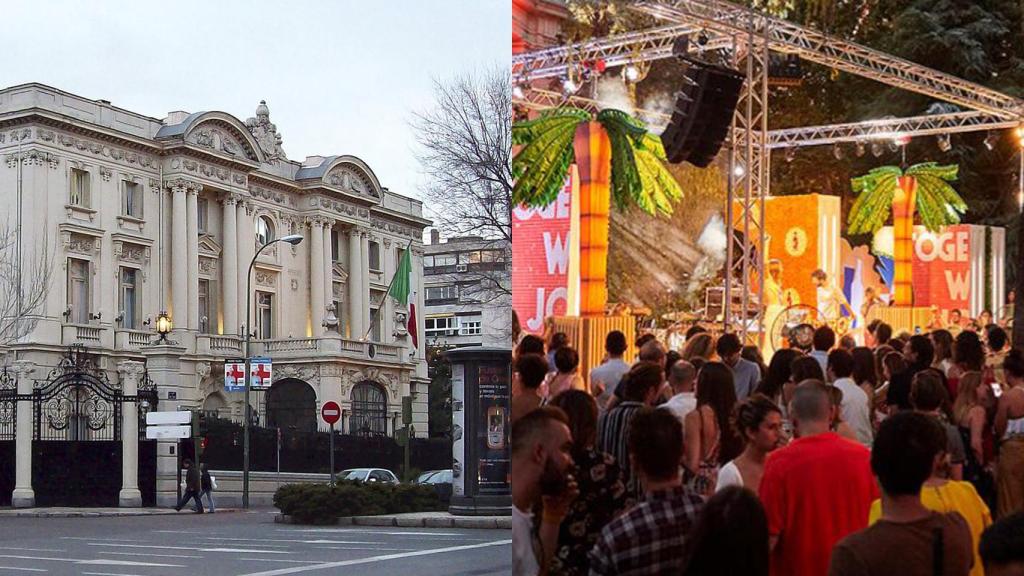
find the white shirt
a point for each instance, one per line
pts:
(524, 561)
(855, 409)
(728, 475)
(608, 375)
(681, 404)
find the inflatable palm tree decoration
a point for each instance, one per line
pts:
(923, 188)
(618, 159)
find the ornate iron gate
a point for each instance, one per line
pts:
(8, 405)
(76, 427)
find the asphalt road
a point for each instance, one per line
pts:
(242, 544)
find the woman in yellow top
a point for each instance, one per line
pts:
(945, 496)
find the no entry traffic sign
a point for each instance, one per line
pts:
(331, 412)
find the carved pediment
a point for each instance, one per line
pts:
(340, 274)
(223, 138)
(209, 247)
(350, 179)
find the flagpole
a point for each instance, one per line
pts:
(388, 292)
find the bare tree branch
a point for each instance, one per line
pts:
(24, 285)
(465, 151)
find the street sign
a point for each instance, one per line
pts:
(158, 418)
(260, 372)
(331, 412)
(234, 375)
(168, 432)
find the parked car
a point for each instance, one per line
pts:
(369, 475)
(441, 480)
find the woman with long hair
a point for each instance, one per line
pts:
(866, 377)
(806, 368)
(709, 439)
(701, 346)
(942, 342)
(759, 422)
(602, 495)
(779, 375)
(730, 538)
(1009, 429)
(972, 412)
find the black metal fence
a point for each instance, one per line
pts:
(307, 451)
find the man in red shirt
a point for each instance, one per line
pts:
(815, 491)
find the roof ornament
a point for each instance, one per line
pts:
(265, 133)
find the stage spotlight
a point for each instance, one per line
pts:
(944, 144)
(901, 140)
(837, 151)
(739, 171)
(569, 86)
(893, 146)
(1020, 135)
(790, 154)
(876, 149)
(860, 149)
(631, 74)
(517, 92)
(990, 140)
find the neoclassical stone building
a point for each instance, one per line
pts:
(140, 215)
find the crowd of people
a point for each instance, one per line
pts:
(904, 455)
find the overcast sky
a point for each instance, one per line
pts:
(339, 76)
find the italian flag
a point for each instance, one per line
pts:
(400, 286)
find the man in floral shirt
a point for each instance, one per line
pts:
(649, 538)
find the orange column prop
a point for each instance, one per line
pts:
(593, 158)
(903, 205)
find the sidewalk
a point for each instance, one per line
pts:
(420, 520)
(95, 512)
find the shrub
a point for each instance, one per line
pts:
(324, 503)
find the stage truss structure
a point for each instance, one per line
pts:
(751, 36)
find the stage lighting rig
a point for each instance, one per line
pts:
(944, 143)
(990, 140)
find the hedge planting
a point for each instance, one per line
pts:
(325, 503)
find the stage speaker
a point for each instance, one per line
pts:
(703, 113)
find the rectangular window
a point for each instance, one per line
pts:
(203, 215)
(131, 199)
(334, 245)
(204, 306)
(374, 256)
(339, 314)
(450, 292)
(129, 299)
(264, 315)
(399, 253)
(442, 326)
(79, 195)
(78, 291)
(469, 325)
(375, 331)
(470, 257)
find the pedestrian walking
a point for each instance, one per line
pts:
(207, 484)
(193, 486)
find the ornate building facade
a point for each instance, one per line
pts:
(137, 215)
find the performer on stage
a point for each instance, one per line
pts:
(831, 299)
(871, 299)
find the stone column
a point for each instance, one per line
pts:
(355, 284)
(364, 249)
(246, 249)
(23, 496)
(179, 256)
(164, 365)
(229, 266)
(329, 270)
(316, 274)
(387, 310)
(130, 496)
(192, 233)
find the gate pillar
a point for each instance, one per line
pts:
(23, 496)
(130, 372)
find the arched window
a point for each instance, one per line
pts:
(291, 404)
(264, 230)
(369, 410)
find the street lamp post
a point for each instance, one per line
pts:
(292, 239)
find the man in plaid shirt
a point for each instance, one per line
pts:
(649, 538)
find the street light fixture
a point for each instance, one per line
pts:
(292, 239)
(163, 326)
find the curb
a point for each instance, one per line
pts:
(105, 514)
(468, 522)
